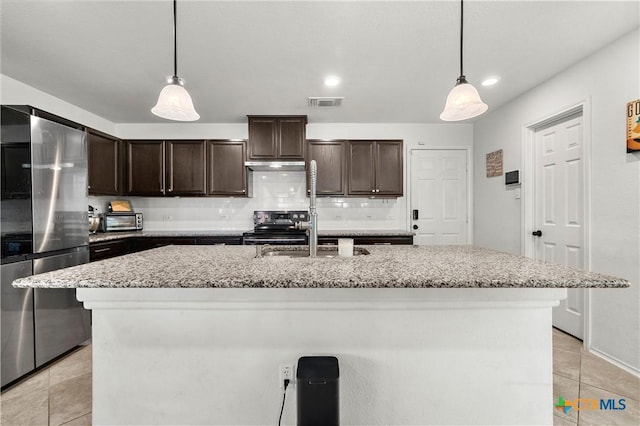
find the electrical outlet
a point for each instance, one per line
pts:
(286, 372)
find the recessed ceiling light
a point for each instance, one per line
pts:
(490, 81)
(332, 80)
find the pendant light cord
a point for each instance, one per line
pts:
(175, 42)
(461, 29)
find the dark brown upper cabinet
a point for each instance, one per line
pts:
(185, 167)
(277, 137)
(375, 168)
(331, 164)
(105, 176)
(144, 165)
(171, 168)
(227, 175)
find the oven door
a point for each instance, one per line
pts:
(293, 240)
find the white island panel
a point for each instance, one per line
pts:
(407, 356)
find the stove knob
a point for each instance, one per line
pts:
(295, 216)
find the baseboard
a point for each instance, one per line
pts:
(615, 361)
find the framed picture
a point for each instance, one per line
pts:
(633, 126)
(494, 163)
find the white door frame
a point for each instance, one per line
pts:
(469, 151)
(528, 192)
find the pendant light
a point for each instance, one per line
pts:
(174, 102)
(463, 101)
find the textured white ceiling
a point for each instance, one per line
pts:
(397, 59)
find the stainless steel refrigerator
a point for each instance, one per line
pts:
(44, 227)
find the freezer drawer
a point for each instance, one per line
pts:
(17, 323)
(61, 322)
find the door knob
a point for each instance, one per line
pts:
(415, 226)
(537, 233)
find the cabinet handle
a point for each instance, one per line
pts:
(102, 250)
(373, 190)
(381, 244)
(244, 190)
(88, 186)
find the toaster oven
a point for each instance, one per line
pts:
(121, 222)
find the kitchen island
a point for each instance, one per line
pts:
(424, 335)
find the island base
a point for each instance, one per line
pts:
(406, 356)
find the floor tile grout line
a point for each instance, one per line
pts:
(579, 383)
(610, 391)
(82, 415)
(48, 396)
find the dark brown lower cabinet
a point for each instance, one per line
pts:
(107, 249)
(104, 250)
(147, 243)
(214, 241)
(369, 240)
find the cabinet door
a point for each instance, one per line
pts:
(389, 168)
(360, 164)
(226, 170)
(99, 251)
(185, 167)
(145, 167)
(104, 164)
(262, 138)
(222, 240)
(331, 163)
(291, 137)
(148, 243)
(383, 240)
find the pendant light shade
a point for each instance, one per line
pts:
(464, 100)
(463, 103)
(174, 102)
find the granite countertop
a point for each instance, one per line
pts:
(385, 267)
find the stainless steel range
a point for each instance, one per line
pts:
(277, 227)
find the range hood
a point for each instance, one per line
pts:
(276, 166)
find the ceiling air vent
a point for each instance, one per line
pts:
(315, 101)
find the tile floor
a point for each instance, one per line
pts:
(61, 393)
(57, 395)
(578, 374)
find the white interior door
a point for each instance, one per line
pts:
(559, 210)
(439, 196)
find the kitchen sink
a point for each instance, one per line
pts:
(303, 251)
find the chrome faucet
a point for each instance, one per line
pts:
(312, 226)
(313, 214)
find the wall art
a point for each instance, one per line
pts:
(494, 163)
(633, 126)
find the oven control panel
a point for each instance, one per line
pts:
(279, 217)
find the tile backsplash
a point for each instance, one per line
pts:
(271, 191)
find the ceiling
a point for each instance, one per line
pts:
(397, 59)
